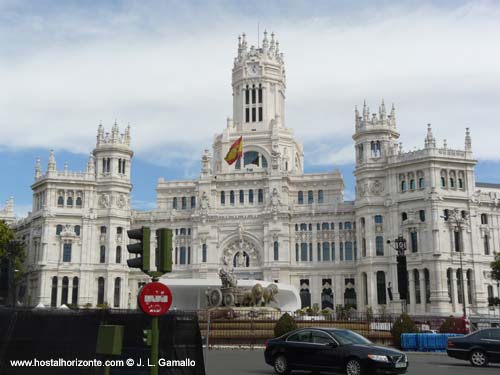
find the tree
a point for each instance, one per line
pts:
(12, 257)
(284, 325)
(495, 268)
(404, 324)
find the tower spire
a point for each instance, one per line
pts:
(430, 141)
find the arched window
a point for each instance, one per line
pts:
(459, 285)
(174, 203)
(183, 255)
(260, 197)
(460, 183)
(381, 295)
(183, 231)
(363, 247)
(231, 197)
(116, 297)
(379, 246)
(416, 277)
(427, 279)
(59, 228)
(100, 291)
(347, 225)
(469, 285)
(403, 186)
(74, 292)
(404, 216)
(484, 219)
(64, 291)
(254, 158)
(276, 249)
(421, 183)
(303, 252)
(119, 230)
(250, 196)
(320, 196)
(325, 226)
(301, 197)
(327, 294)
(60, 201)
(490, 295)
(341, 226)
(53, 295)
(446, 214)
(486, 244)
(364, 277)
(102, 254)
(222, 197)
(305, 295)
(79, 202)
(443, 181)
(118, 258)
(77, 230)
(103, 230)
(452, 182)
(183, 203)
(310, 197)
(448, 283)
(242, 197)
(303, 226)
(421, 214)
(412, 184)
(69, 202)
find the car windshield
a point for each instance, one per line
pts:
(350, 337)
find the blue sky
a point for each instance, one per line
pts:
(164, 68)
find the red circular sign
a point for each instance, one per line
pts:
(155, 299)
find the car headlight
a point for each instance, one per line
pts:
(378, 358)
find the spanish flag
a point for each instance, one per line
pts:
(235, 151)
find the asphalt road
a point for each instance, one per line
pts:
(251, 362)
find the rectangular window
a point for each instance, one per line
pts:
(319, 253)
(183, 255)
(348, 251)
(310, 197)
(67, 252)
(300, 197)
(260, 113)
(326, 251)
(247, 114)
(341, 251)
(184, 203)
(276, 251)
(242, 197)
(379, 246)
(193, 202)
(303, 252)
(456, 236)
(254, 116)
(310, 252)
(261, 196)
(296, 252)
(320, 196)
(414, 242)
(204, 253)
(247, 96)
(253, 96)
(486, 245)
(260, 94)
(333, 251)
(250, 196)
(222, 197)
(379, 219)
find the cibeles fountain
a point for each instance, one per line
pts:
(237, 286)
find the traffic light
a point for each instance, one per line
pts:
(141, 248)
(146, 337)
(164, 250)
(402, 277)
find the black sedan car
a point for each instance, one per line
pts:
(331, 350)
(480, 347)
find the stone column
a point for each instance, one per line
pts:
(411, 281)
(422, 291)
(454, 290)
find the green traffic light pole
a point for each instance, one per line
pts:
(155, 332)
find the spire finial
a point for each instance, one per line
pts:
(38, 168)
(51, 166)
(90, 164)
(430, 141)
(468, 140)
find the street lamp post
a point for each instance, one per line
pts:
(400, 247)
(459, 220)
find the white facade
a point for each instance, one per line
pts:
(7, 211)
(269, 220)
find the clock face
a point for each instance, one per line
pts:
(253, 69)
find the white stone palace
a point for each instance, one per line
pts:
(267, 219)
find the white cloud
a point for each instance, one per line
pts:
(64, 70)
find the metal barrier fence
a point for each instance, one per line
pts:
(252, 328)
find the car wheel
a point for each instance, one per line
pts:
(281, 365)
(353, 367)
(478, 358)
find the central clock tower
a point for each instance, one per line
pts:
(258, 85)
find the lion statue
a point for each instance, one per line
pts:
(260, 296)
